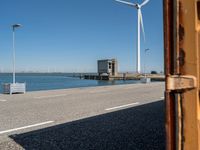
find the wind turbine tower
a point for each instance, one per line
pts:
(140, 24)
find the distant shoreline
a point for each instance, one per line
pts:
(91, 87)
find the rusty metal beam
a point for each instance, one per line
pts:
(169, 70)
(182, 69)
(189, 47)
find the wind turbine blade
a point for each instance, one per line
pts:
(141, 21)
(144, 3)
(127, 3)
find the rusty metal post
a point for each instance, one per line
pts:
(169, 69)
(189, 47)
(182, 63)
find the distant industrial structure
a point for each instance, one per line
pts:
(107, 69)
(107, 66)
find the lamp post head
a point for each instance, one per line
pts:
(16, 26)
(147, 49)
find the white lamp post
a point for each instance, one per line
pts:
(13, 28)
(145, 79)
(10, 88)
(146, 50)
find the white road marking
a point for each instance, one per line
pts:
(162, 97)
(3, 100)
(30, 126)
(122, 106)
(98, 91)
(50, 96)
(129, 88)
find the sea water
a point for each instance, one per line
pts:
(52, 81)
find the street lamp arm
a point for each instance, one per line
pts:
(16, 25)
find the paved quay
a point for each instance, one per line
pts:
(119, 117)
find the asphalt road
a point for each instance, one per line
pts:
(94, 118)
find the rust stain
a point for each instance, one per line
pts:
(181, 59)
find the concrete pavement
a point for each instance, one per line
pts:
(38, 111)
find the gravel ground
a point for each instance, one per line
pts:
(136, 128)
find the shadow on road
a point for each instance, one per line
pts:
(137, 128)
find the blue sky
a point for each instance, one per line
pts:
(70, 36)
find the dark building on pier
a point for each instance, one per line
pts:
(108, 66)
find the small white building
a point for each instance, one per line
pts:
(108, 66)
(10, 88)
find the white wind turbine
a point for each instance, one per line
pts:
(140, 22)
